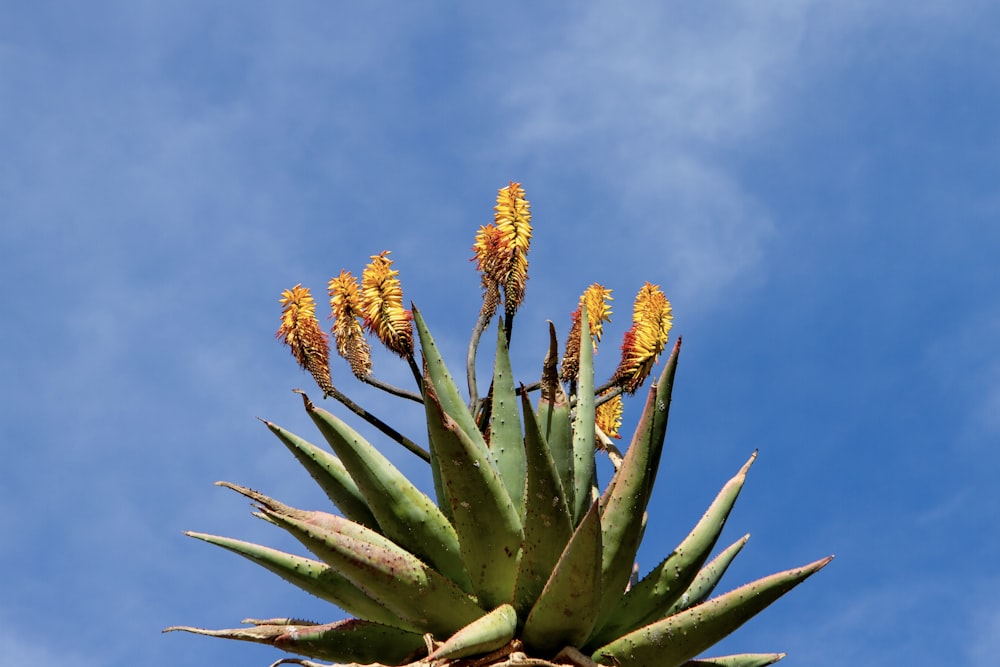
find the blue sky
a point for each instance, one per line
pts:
(814, 185)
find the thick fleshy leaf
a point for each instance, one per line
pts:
(554, 420)
(650, 598)
(448, 395)
(311, 576)
(483, 635)
(584, 463)
(623, 506)
(404, 513)
(350, 640)
(708, 578)
(330, 474)
(548, 524)
(741, 660)
(506, 441)
(394, 577)
(676, 639)
(488, 526)
(566, 610)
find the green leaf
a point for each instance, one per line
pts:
(584, 460)
(674, 640)
(403, 512)
(506, 441)
(548, 524)
(387, 573)
(624, 503)
(444, 386)
(330, 474)
(554, 417)
(741, 660)
(648, 600)
(566, 610)
(708, 578)
(350, 640)
(311, 576)
(489, 633)
(488, 526)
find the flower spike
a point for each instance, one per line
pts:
(345, 306)
(382, 306)
(652, 319)
(501, 251)
(513, 221)
(597, 299)
(302, 333)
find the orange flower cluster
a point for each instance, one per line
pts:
(597, 299)
(302, 333)
(652, 319)
(381, 305)
(501, 251)
(345, 307)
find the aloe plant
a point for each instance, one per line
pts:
(520, 557)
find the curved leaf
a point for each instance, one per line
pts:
(554, 420)
(708, 578)
(672, 641)
(488, 527)
(649, 599)
(506, 441)
(389, 574)
(548, 524)
(492, 631)
(349, 640)
(741, 660)
(311, 576)
(404, 513)
(624, 504)
(330, 474)
(566, 610)
(584, 461)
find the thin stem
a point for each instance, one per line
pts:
(470, 358)
(379, 424)
(418, 376)
(391, 389)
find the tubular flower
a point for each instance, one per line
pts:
(597, 300)
(501, 250)
(345, 304)
(381, 303)
(302, 333)
(609, 417)
(652, 319)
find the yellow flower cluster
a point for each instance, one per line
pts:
(302, 333)
(652, 319)
(501, 251)
(381, 304)
(597, 299)
(345, 307)
(609, 416)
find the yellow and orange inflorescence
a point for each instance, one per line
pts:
(652, 319)
(301, 332)
(501, 250)
(609, 416)
(345, 307)
(381, 303)
(598, 301)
